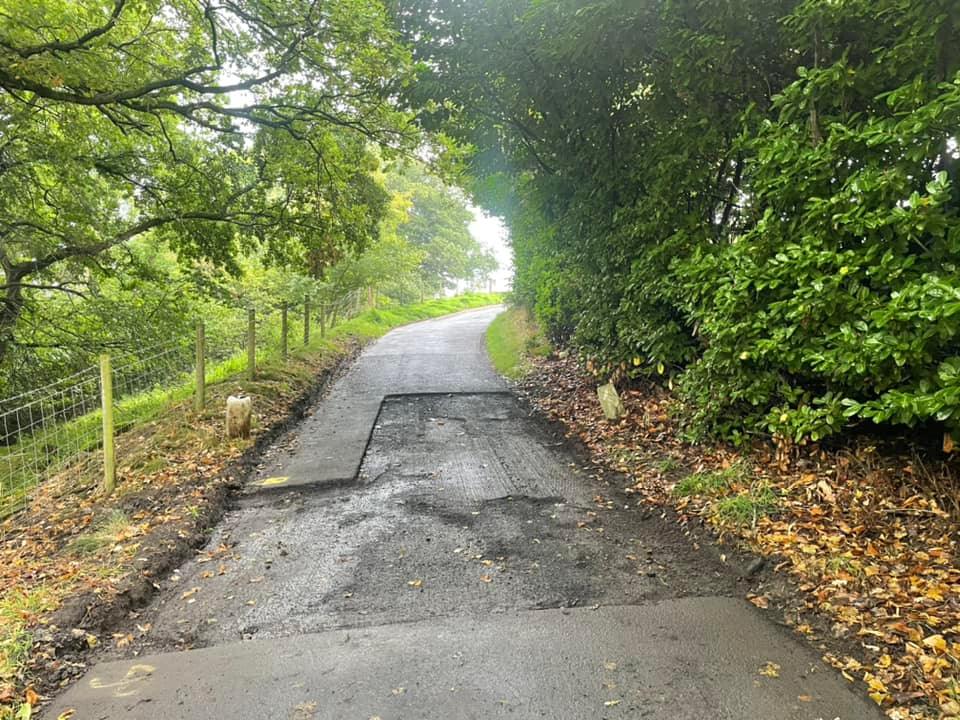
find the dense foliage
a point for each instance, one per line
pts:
(757, 199)
(162, 161)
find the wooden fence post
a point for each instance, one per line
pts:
(200, 396)
(283, 332)
(106, 405)
(252, 344)
(306, 322)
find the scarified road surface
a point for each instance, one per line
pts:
(423, 547)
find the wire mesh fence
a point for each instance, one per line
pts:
(57, 430)
(46, 430)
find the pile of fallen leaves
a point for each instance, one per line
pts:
(75, 562)
(866, 536)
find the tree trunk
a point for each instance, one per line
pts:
(11, 307)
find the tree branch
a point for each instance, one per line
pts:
(54, 47)
(36, 286)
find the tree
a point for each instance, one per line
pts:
(136, 116)
(437, 224)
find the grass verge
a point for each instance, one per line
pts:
(733, 499)
(72, 558)
(512, 339)
(746, 508)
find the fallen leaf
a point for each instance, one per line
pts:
(415, 583)
(950, 709)
(486, 578)
(770, 670)
(611, 703)
(304, 711)
(936, 642)
(826, 492)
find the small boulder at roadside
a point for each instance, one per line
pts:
(611, 403)
(239, 410)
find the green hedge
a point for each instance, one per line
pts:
(756, 200)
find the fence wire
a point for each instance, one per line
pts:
(44, 431)
(56, 431)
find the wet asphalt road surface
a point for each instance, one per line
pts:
(423, 547)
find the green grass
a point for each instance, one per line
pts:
(729, 504)
(17, 608)
(512, 339)
(714, 482)
(746, 508)
(106, 533)
(843, 563)
(75, 444)
(669, 465)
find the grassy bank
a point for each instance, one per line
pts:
(512, 339)
(69, 542)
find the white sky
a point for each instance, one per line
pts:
(492, 234)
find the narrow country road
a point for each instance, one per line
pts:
(422, 547)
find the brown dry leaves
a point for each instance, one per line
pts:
(867, 543)
(883, 568)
